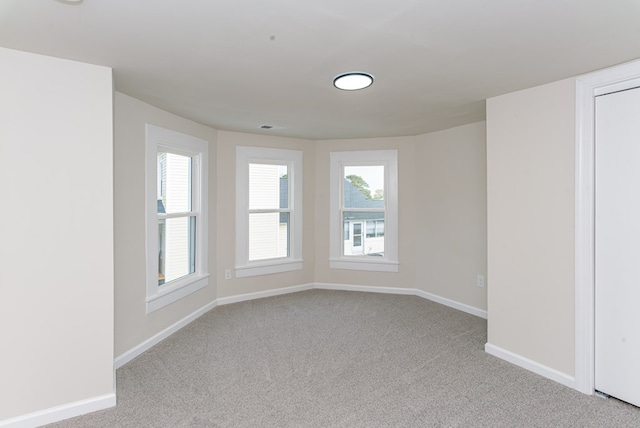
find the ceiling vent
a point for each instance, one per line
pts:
(271, 127)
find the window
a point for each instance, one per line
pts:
(364, 210)
(375, 229)
(176, 205)
(268, 211)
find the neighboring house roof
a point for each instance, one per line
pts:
(357, 216)
(355, 199)
(161, 209)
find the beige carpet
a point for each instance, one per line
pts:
(341, 359)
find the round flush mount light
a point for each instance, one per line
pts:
(353, 81)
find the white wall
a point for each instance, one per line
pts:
(451, 213)
(530, 187)
(56, 234)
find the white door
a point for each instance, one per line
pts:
(617, 245)
(356, 238)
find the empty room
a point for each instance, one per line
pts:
(298, 214)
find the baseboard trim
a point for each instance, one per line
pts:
(406, 291)
(531, 365)
(132, 353)
(452, 304)
(365, 288)
(59, 413)
(262, 294)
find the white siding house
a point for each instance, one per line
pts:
(268, 186)
(175, 237)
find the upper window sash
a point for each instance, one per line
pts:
(194, 184)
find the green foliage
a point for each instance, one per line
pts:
(359, 183)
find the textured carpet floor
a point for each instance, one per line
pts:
(340, 359)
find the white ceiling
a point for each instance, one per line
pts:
(239, 64)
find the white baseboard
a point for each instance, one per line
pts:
(531, 365)
(406, 291)
(129, 355)
(262, 294)
(59, 413)
(365, 288)
(452, 304)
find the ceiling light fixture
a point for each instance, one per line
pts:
(353, 81)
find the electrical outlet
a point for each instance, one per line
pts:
(227, 274)
(480, 281)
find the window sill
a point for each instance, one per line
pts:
(269, 267)
(360, 264)
(181, 288)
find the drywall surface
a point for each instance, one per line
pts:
(56, 229)
(132, 324)
(530, 186)
(450, 233)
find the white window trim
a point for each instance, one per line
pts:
(388, 158)
(293, 159)
(175, 142)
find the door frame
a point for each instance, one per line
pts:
(618, 78)
(362, 225)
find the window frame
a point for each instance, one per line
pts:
(165, 140)
(293, 159)
(338, 160)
